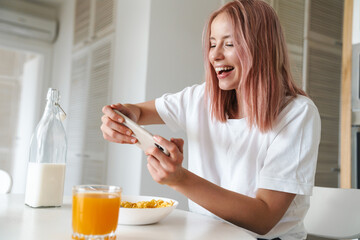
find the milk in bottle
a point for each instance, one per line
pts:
(47, 157)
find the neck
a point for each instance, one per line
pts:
(240, 111)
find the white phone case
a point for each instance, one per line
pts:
(145, 138)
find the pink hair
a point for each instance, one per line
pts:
(266, 80)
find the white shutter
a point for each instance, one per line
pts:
(78, 102)
(323, 82)
(82, 21)
(75, 126)
(104, 17)
(98, 95)
(11, 63)
(324, 77)
(94, 23)
(9, 96)
(326, 19)
(291, 15)
(11, 68)
(7, 63)
(95, 146)
(296, 66)
(93, 20)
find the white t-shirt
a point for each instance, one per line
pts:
(243, 159)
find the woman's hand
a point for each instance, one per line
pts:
(111, 126)
(166, 169)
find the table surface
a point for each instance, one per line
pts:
(18, 221)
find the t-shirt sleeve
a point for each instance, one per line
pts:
(291, 158)
(172, 108)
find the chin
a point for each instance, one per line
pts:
(226, 87)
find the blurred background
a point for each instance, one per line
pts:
(98, 52)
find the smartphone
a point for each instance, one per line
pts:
(145, 138)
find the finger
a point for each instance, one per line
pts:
(118, 106)
(114, 136)
(179, 142)
(117, 139)
(154, 173)
(170, 146)
(152, 170)
(124, 110)
(109, 123)
(110, 139)
(167, 163)
(155, 163)
(109, 112)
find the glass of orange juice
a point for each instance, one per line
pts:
(95, 211)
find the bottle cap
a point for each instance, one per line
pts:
(53, 95)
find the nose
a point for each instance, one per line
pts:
(216, 53)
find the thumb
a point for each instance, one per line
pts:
(179, 142)
(124, 110)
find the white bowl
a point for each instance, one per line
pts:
(142, 216)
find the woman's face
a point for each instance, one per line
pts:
(222, 53)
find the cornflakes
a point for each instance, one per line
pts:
(147, 204)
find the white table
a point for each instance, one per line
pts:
(18, 221)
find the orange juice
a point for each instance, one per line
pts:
(95, 213)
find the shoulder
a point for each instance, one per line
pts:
(196, 90)
(188, 97)
(191, 94)
(299, 110)
(301, 102)
(174, 108)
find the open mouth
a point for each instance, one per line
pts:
(222, 70)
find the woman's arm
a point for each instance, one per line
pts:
(259, 214)
(143, 113)
(146, 113)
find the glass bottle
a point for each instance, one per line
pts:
(47, 157)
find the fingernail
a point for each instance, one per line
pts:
(157, 138)
(128, 133)
(133, 140)
(120, 120)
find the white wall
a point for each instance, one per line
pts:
(62, 52)
(38, 47)
(130, 66)
(27, 121)
(175, 60)
(356, 23)
(61, 74)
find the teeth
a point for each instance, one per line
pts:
(218, 69)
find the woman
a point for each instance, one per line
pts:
(253, 135)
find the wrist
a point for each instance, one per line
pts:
(134, 111)
(181, 180)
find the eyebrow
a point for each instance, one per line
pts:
(224, 37)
